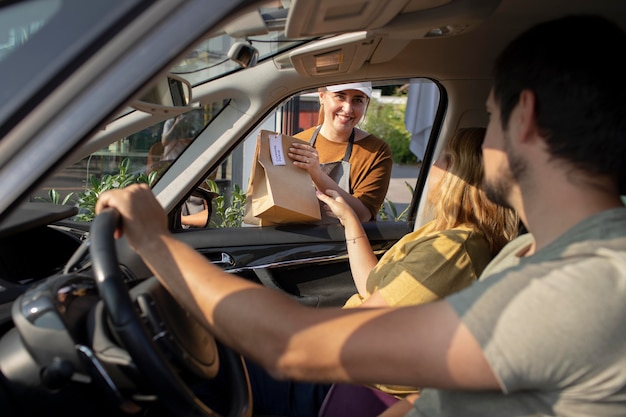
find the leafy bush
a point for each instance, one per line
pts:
(387, 122)
(227, 215)
(389, 212)
(55, 197)
(86, 201)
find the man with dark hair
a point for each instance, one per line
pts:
(541, 333)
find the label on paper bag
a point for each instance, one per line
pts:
(276, 150)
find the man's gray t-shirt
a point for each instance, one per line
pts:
(552, 327)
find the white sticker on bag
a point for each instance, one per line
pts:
(276, 150)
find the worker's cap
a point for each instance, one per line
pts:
(365, 88)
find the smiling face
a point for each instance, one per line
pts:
(343, 110)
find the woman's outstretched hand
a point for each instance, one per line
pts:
(336, 206)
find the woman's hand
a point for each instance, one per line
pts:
(304, 156)
(337, 206)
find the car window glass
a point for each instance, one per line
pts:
(213, 57)
(401, 112)
(19, 22)
(38, 38)
(141, 157)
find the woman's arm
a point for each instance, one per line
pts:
(360, 253)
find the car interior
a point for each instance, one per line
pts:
(87, 88)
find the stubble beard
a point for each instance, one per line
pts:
(498, 188)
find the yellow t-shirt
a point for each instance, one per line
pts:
(423, 267)
(370, 166)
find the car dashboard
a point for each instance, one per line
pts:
(34, 244)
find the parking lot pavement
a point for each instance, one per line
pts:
(398, 192)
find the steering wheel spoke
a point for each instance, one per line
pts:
(158, 334)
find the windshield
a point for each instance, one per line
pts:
(130, 150)
(19, 22)
(213, 57)
(140, 157)
(42, 26)
(145, 155)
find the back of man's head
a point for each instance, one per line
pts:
(575, 67)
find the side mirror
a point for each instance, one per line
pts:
(196, 211)
(168, 94)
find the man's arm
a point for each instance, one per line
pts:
(425, 345)
(199, 219)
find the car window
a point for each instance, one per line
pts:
(141, 157)
(20, 22)
(218, 55)
(401, 112)
(57, 30)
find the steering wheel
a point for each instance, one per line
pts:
(140, 340)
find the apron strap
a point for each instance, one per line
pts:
(346, 156)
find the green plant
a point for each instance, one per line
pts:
(225, 213)
(231, 214)
(389, 212)
(387, 122)
(87, 199)
(55, 198)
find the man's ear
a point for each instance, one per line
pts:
(528, 115)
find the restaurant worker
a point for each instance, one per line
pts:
(342, 157)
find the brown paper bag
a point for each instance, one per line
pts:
(278, 191)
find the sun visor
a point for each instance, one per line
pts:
(411, 19)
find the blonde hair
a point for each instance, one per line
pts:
(458, 198)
